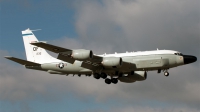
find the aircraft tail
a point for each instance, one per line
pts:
(34, 53)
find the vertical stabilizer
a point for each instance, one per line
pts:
(34, 53)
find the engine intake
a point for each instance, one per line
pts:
(82, 54)
(112, 62)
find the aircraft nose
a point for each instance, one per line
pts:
(189, 59)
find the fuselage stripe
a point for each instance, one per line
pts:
(27, 34)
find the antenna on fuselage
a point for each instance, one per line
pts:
(33, 30)
(36, 30)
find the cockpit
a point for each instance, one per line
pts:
(180, 54)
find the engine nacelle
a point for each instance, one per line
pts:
(112, 61)
(137, 76)
(82, 54)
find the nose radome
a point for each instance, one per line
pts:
(189, 59)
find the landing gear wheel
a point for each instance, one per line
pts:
(96, 76)
(107, 81)
(114, 80)
(103, 75)
(166, 74)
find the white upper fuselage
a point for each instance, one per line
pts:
(140, 53)
(129, 54)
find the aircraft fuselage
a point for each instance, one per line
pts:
(139, 61)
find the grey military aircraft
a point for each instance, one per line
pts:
(126, 67)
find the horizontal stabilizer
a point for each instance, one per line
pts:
(22, 62)
(54, 72)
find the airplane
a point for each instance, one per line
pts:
(126, 67)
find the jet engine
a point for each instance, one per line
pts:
(82, 54)
(112, 62)
(137, 76)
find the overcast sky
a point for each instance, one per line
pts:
(102, 26)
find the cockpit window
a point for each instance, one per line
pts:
(180, 54)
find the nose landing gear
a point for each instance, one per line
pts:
(166, 73)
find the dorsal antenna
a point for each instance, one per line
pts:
(36, 30)
(33, 30)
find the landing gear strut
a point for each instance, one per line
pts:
(159, 70)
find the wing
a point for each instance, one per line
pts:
(50, 47)
(65, 55)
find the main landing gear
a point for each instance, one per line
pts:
(113, 80)
(104, 76)
(98, 76)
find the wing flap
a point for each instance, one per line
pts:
(22, 62)
(90, 65)
(65, 58)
